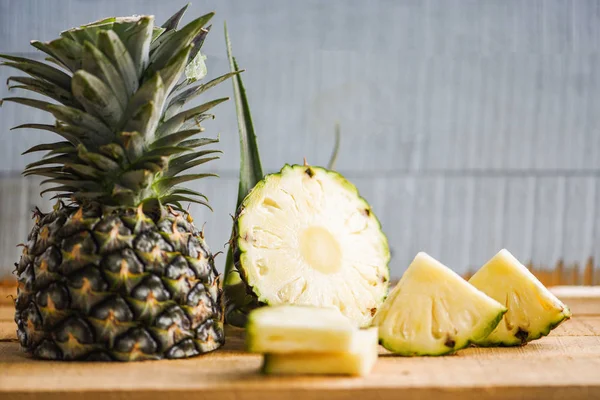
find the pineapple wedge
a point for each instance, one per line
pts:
(533, 311)
(293, 329)
(433, 311)
(358, 361)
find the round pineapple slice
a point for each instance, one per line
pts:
(433, 311)
(533, 311)
(305, 236)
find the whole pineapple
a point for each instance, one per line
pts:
(117, 271)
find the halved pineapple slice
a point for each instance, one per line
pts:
(433, 311)
(289, 329)
(532, 310)
(305, 236)
(359, 360)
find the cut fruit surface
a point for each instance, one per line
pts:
(359, 360)
(289, 329)
(533, 311)
(433, 311)
(305, 236)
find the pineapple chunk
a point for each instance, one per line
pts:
(532, 310)
(292, 329)
(433, 311)
(359, 360)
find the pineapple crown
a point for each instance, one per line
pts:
(121, 84)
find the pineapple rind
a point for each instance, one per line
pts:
(432, 311)
(361, 310)
(123, 305)
(504, 276)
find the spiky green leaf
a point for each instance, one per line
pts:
(45, 88)
(164, 184)
(64, 49)
(172, 71)
(83, 170)
(176, 122)
(136, 179)
(133, 143)
(336, 147)
(39, 70)
(174, 19)
(250, 166)
(51, 172)
(175, 139)
(113, 150)
(250, 174)
(144, 109)
(61, 159)
(137, 36)
(177, 42)
(97, 98)
(72, 138)
(166, 151)
(74, 182)
(62, 188)
(114, 49)
(175, 198)
(189, 157)
(199, 41)
(189, 94)
(97, 64)
(160, 40)
(89, 32)
(176, 169)
(193, 143)
(100, 133)
(186, 191)
(196, 122)
(48, 146)
(156, 32)
(99, 161)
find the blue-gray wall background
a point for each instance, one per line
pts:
(469, 125)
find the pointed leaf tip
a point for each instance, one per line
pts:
(250, 166)
(173, 21)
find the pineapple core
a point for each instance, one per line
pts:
(320, 250)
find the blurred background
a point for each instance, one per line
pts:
(468, 125)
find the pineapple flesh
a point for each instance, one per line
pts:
(304, 236)
(533, 311)
(117, 271)
(433, 311)
(358, 360)
(298, 329)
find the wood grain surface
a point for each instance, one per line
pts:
(566, 364)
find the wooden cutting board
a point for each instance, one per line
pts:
(564, 365)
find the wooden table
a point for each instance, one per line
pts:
(564, 365)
